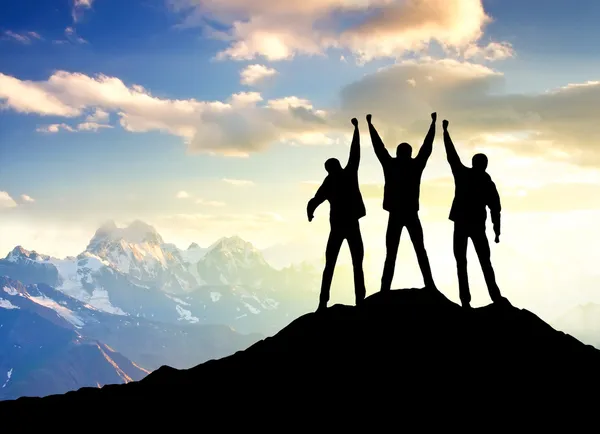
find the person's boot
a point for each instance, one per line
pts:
(430, 285)
(466, 305)
(501, 301)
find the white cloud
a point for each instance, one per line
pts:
(491, 52)
(79, 6)
(183, 195)
(23, 38)
(84, 126)
(73, 37)
(469, 95)
(388, 28)
(91, 126)
(6, 201)
(242, 124)
(27, 96)
(239, 182)
(254, 74)
(99, 115)
(27, 198)
(557, 124)
(55, 128)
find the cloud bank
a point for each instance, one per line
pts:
(559, 123)
(369, 29)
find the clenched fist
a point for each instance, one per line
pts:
(369, 118)
(354, 122)
(434, 116)
(445, 124)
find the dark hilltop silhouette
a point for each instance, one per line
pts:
(398, 349)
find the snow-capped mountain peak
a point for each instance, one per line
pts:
(137, 232)
(234, 252)
(19, 254)
(236, 246)
(232, 260)
(136, 249)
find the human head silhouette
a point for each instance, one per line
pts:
(333, 166)
(479, 162)
(403, 151)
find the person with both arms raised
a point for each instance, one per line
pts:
(401, 199)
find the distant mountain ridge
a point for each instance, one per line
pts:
(153, 303)
(132, 271)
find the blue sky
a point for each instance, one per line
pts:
(505, 63)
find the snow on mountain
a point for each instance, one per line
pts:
(130, 271)
(193, 253)
(6, 304)
(41, 357)
(149, 343)
(73, 276)
(140, 252)
(233, 261)
(191, 257)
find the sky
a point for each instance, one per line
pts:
(214, 118)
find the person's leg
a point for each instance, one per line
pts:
(415, 230)
(461, 239)
(334, 243)
(357, 251)
(392, 240)
(482, 247)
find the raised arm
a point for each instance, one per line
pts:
(382, 154)
(493, 202)
(427, 147)
(317, 200)
(451, 153)
(354, 159)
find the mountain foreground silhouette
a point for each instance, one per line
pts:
(412, 344)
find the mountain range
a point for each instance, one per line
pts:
(132, 272)
(133, 298)
(398, 352)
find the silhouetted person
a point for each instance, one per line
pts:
(474, 190)
(401, 199)
(341, 189)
